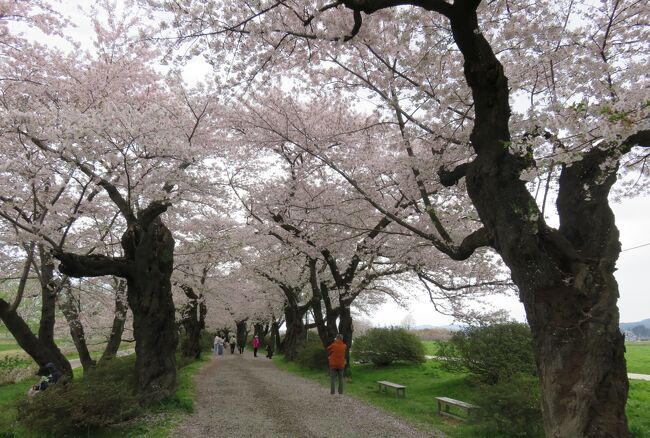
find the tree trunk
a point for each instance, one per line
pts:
(275, 335)
(295, 334)
(242, 332)
(150, 299)
(24, 336)
(565, 277)
(346, 329)
(48, 312)
(117, 329)
(41, 352)
(70, 311)
(193, 321)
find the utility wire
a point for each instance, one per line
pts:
(636, 247)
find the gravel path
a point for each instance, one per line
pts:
(243, 396)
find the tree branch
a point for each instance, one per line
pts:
(449, 178)
(94, 265)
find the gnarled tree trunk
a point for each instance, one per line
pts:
(565, 277)
(117, 328)
(295, 334)
(147, 266)
(149, 293)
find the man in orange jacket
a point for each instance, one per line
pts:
(336, 358)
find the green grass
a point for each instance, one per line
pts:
(430, 348)
(638, 406)
(160, 420)
(157, 422)
(426, 381)
(637, 355)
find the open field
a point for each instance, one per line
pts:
(637, 355)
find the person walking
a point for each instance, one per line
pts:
(336, 359)
(218, 345)
(233, 342)
(256, 345)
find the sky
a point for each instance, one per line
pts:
(633, 222)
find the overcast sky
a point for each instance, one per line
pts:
(633, 221)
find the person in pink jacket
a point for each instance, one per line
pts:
(256, 345)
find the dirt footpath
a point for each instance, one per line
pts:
(243, 396)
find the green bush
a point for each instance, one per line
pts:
(15, 367)
(512, 409)
(312, 355)
(105, 395)
(383, 346)
(494, 353)
(206, 340)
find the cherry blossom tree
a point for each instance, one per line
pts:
(553, 91)
(129, 134)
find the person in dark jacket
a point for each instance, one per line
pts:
(269, 350)
(49, 376)
(336, 359)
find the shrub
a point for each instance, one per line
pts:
(494, 353)
(512, 409)
(383, 346)
(206, 340)
(312, 355)
(105, 395)
(16, 367)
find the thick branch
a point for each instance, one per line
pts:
(449, 178)
(153, 210)
(370, 6)
(641, 138)
(23, 278)
(94, 265)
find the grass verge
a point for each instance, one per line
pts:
(423, 382)
(158, 421)
(426, 381)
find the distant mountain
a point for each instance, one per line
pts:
(631, 325)
(452, 327)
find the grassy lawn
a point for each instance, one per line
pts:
(638, 407)
(157, 422)
(426, 381)
(637, 355)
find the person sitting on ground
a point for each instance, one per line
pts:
(49, 376)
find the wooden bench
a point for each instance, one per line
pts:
(472, 410)
(383, 384)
